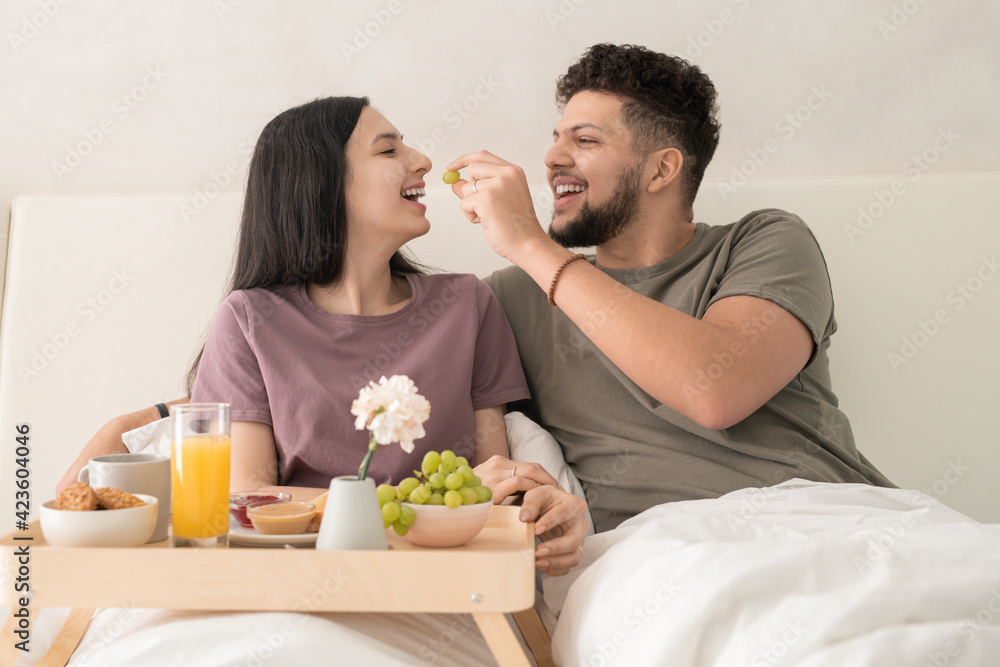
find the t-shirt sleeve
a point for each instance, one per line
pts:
(497, 376)
(229, 371)
(776, 257)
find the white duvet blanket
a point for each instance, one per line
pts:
(799, 574)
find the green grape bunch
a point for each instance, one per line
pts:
(443, 479)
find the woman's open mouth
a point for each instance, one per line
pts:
(413, 194)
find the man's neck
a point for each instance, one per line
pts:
(647, 241)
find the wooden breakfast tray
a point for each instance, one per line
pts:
(491, 575)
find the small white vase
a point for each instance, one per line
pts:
(352, 518)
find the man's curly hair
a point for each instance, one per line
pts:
(668, 102)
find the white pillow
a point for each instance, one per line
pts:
(531, 443)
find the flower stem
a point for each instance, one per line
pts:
(372, 446)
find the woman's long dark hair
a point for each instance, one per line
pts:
(294, 224)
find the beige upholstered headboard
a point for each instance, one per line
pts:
(107, 298)
(4, 225)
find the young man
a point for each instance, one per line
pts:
(681, 361)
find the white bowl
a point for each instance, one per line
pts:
(129, 527)
(443, 526)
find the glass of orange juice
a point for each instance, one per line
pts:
(199, 487)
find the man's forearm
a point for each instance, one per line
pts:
(665, 351)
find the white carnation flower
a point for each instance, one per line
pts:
(392, 410)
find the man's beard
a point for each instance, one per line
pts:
(595, 225)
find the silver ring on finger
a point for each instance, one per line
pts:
(474, 181)
(512, 472)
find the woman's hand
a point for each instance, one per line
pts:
(506, 477)
(560, 523)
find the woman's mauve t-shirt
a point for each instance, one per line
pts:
(279, 359)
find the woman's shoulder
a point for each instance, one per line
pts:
(259, 299)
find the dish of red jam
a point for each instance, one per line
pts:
(238, 503)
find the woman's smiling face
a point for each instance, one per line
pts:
(384, 182)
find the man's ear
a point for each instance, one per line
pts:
(667, 164)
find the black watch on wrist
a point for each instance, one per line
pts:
(162, 408)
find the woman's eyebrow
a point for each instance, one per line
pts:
(387, 135)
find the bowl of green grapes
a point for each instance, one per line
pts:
(444, 505)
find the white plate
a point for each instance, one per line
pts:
(249, 537)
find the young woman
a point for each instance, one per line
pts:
(322, 301)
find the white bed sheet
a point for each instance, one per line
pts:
(801, 574)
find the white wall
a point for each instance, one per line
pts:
(222, 71)
(137, 97)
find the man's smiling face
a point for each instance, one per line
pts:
(593, 172)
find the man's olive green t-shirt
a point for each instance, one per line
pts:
(631, 452)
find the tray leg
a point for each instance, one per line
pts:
(62, 648)
(68, 638)
(501, 640)
(536, 635)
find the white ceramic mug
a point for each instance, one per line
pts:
(135, 473)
